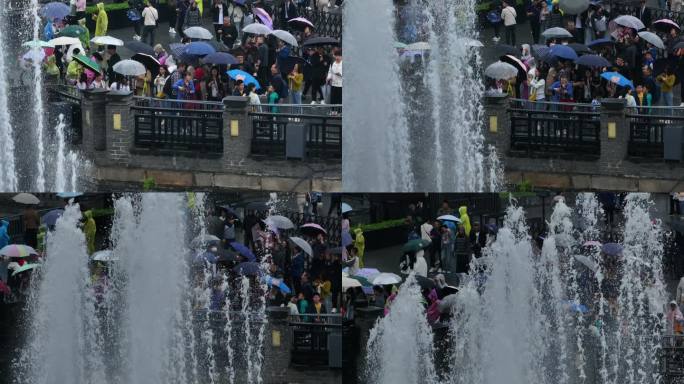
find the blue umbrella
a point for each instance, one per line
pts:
(206, 256)
(220, 58)
(247, 269)
(595, 61)
(618, 79)
(577, 307)
(612, 249)
(51, 217)
(346, 239)
(230, 211)
(246, 77)
(274, 282)
(563, 51)
(55, 10)
(601, 41)
(69, 195)
(239, 2)
(243, 250)
(199, 48)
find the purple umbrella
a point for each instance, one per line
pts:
(243, 250)
(612, 249)
(264, 17)
(301, 23)
(55, 10)
(313, 227)
(247, 269)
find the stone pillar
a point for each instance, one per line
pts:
(365, 319)
(120, 126)
(497, 126)
(614, 134)
(94, 120)
(277, 345)
(237, 133)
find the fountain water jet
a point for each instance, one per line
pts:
(8, 176)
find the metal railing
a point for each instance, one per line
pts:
(555, 129)
(646, 130)
(326, 23)
(315, 339)
(332, 225)
(73, 96)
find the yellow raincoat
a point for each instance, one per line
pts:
(200, 6)
(90, 229)
(360, 244)
(102, 21)
(465, 219)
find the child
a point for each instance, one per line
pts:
(272, 98)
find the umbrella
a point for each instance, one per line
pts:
(618, 79)
(563, 51)
(540, 49)
(679, 45)
(199, 48)
(285, 36)
(88, 62)
(288, 63)
(129, 68)
(386, 278)
(236, 74)
(506, 49)
(592, 243)
(281, 222)
(601, 41)
(302, 244)
(274, 282)
(500, 71)
(416, 245)
(198, 33)
(263, 16)
(247, 269)
(348, 282)
(346, 239)
(612, 249)
(576, 307)
(346, 208)
(653, 39)
(556, 32)
(200, 240)
(26, 198)
(69, 195)
(449, 218)
(150, 62)
(313, 228)
(629, 21)
(320, 40)
(17, 250)
(73, 31)
(34, 55)
(666, 25)
(492, 229)
(471, 42)
(139, 47)
(573, 7)
(589, 263)
(226, 256)
(594, 61)
(55, 10)
(255, 205)
(230, 211)
(362, 279)
(105, 255)
(37, 43)
(579, 48)
(24, 268)
(243, 250)
(51, 217)
(425, 283)
(218, 46)
(510, 59)
(64, 40)
(419, 46)
(107, 40)
(301, 23)
(368, 273)
(220, 58)
(257, 29)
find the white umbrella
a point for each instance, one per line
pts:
(107, 40)
(198, 33)
(105, 255)
(281, 222)
(285, 36)
(26, 198)
(34, 55)
(129, 68)
(36, 43)
(589, 263)
(346, 208)
(449, 218)
(419, 46)
(471, 42)
(629, 21)
(301, 243)
(556, 32)
(653, 39)
(500, 71)
(203, 239)
(64, 40)
(386, 278)
(72, 48)
(573, 7)
(257, 29)
(348, 282)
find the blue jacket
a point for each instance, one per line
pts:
(297, 265)
(557, 96)
(182, 94)
(4, 236)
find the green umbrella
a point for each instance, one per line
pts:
(36, 43)
(73, 31)
(400, 45)
(88, 62)
(24, 268)
(416, 245)
(362, 280)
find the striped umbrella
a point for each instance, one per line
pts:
(17, 250)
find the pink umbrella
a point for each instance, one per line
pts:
(515, 61)
(313, 227)
(264, 17)
(301, 21)
(667, 23)
(17, 250)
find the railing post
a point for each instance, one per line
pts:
(237, 135)
(120, 137)
(277, 345)
(497, 129)
(614, 134)
(94, 118)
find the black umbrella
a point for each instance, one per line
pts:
(139, 47)
(257, 206)
(288, 63)
(320, 40)
(248, 269)
(506, 49)
(425, 283)
(679, 45)
(150, 62)
(218, 46)
(579, 48)
(230, 211)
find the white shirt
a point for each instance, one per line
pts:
(254, 98)
(425, 230)
(539, 85)
(151, 16)
(508, 15)
(420, 267)
(335, 74)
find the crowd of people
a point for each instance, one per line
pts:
(260, 66)
(596, 53)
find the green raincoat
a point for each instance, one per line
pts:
(465, 219)
(90, 229)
